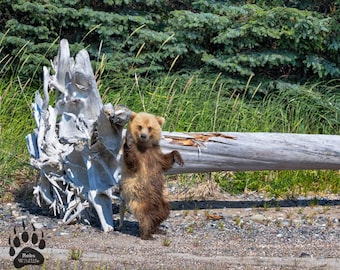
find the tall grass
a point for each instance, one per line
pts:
(190, 102)
(15, 119)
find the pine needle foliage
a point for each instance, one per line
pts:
(271, 39)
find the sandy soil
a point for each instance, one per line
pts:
(211, 231)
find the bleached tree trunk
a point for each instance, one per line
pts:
(232, 151)
(76, 146)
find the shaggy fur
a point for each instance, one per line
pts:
(143, 179)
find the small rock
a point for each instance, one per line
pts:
(38, 225)
(297, 222)
(286, 223)
(258, 218)
(305, 255)
(21, 217)
(15, 213)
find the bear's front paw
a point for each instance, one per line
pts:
(128, 140)
(178, 158)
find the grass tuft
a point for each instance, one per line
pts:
(75, 254)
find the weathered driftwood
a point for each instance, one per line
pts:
(76, 145)
(232, 151)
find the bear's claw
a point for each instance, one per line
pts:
(178, 158)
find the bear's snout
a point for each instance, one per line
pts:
(143, 136)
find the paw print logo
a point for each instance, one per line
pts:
(28, 255)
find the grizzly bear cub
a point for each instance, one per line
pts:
(143, 180)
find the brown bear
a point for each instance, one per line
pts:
(143, 180)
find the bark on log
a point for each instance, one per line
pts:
(232, 151)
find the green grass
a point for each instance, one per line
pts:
(286, 184)
(75, 254)
(197, 102)
(191, 102)
(194, 103)
(16, 122)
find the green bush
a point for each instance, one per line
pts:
(269, 39)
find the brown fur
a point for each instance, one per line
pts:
(143, 177)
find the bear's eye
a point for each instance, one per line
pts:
(140, 127)
(149, 128)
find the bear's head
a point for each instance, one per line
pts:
(146, 128)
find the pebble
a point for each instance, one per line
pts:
(258, 218)
(63, 233)
(38, 225)
(24, 217)
(305, 255)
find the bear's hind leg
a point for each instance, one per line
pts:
(145, 227)
(160, 215)
(150, 220)
(143, 213)
(122, 208)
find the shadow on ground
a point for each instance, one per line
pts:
(23, 195)
(217, 204)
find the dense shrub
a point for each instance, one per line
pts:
(270, 39)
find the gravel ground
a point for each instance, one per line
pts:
(219, 231)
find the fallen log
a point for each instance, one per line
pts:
(233, 151)
(76, 146)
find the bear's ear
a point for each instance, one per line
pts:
(132, 115)
(160, 120)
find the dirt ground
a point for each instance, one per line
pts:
(211, 230)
